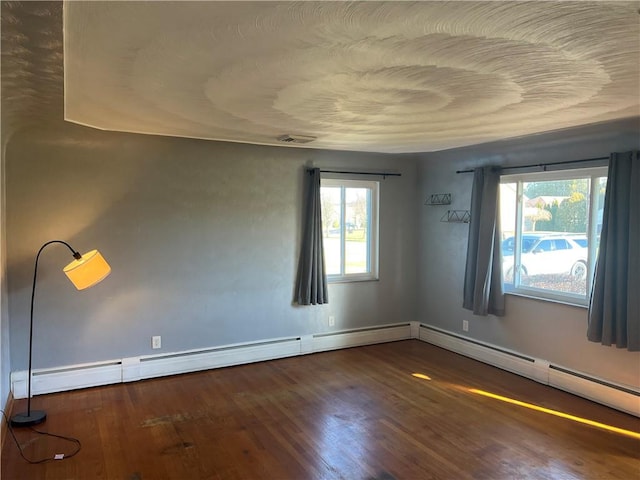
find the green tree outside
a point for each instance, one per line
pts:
(569, 215)
(572, 214)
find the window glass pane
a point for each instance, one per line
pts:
(601, 187)
(555, 219)
(508, 196)
(551, 223)
(356, 230)
(331, 228)
(350, 229)
(598, 191)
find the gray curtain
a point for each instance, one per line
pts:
(311, 284)
(483, 290)
(614, 310)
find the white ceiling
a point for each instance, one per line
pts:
(369, 76)
(32, 65)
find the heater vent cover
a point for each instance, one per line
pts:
(287, 138)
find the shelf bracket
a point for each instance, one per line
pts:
(438, 199)
(456, 216)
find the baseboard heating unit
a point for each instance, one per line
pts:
(50, 380)
(149, 366)
(598, 390)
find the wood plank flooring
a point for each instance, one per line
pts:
(350, 414)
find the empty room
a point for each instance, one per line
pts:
(320, 240)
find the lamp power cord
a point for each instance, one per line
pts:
(58, 456)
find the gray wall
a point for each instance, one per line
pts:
(202, 238)
(203, 241)
(545, 330)
(5, 364)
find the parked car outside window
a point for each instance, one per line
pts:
(547, 253)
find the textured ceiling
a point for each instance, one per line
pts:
(370, 76)
(32, 64)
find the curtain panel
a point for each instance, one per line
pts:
(311, 282)
(614, 309)
(483, 289)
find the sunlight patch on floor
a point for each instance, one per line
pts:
(556, 413)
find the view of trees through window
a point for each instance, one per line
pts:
(560, 206)
(551, 245)
(348, 236)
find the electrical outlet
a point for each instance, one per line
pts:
(156, 342)
(465, 325)
(332, 320)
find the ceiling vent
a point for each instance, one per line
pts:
(295, 138)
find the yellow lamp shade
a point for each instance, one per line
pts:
(88, 270)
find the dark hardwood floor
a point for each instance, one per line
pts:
(350, 414)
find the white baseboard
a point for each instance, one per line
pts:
(137, 368)
(131, 369)
(620, 397)
(367, 336)
(185, 362)
(71, 377)
(592, 389)
(8, 410)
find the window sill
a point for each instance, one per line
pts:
(331, 281)
(532, 296)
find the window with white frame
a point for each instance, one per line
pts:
(350, 229)
(551, 224)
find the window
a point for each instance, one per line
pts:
(551, 225)
(350, 229)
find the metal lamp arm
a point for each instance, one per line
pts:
(77, 256)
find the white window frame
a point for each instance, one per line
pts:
(569, 174)
(373, 225)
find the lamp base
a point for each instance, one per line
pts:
(27, 420)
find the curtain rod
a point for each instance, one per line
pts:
(543, 165)
(382, 174)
